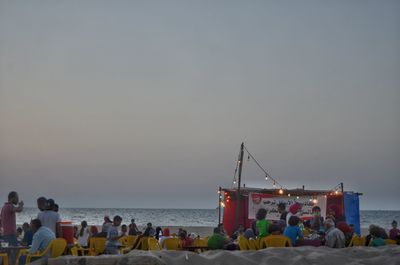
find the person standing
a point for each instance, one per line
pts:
(50, 218)
(112, 236)
(8, 218)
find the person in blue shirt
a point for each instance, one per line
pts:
(112, 244)
(28, 235)
(42, 236)
(293, 231)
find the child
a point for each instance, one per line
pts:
(262, 223)
(394, 233)
(112, 236)
(83, 234)
(293, 230)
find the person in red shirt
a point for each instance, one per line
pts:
(8, 218)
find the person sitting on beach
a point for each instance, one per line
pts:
(376, 239)
(104, 228)
(317, 221)
(379, 231)
(165, 235)
(275, 229)
(394, 233)
(262, 223)
(149, 231)
(221, 229)
(93, 230)
(185, 240)
(249, 233)
(345, 228)
(28, 235)
(334, 238)
(50, 218)
(42, 236)
(124, 230)
(84, 234)
(239, 231)
(283, 212)
(112, 244)
(19, 234)
(294, 209)
(217, 240)
(158, 232)
(133, 229)
(8, 218)
(293, 231)
(76, 232)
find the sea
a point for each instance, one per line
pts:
(177, 217)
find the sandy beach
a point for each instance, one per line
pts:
(388, 255)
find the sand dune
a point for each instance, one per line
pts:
(388, 255)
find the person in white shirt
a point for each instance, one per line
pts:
(84, 234)
(334, 238)
(50, 218)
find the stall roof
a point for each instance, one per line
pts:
(293, 192)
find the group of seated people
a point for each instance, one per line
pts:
(331, 232)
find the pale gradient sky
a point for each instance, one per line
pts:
(145, 103)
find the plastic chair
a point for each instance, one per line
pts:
(56, 248)
(275, 241)
(243, 243)
(153, 244)
(200, 242)
(143, 243)
(128, 241)
(172, 243)
(357, 241)
(97, 246)
(4, 258)
(253, 244)
(390, 242)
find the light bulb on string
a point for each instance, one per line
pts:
(274, 185)
(266, 177)
(281, 191)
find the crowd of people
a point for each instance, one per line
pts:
(331, 231)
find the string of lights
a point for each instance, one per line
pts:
(267, 175)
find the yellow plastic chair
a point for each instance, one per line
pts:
(56, 248)
(200, 242)
(128, 241)
(4, 258)
(97, 246)
(253, 244)
(143, 243)
(153, 244)
(275, 241)
(243, 243)
(172, 243)
(390, 242)
(357, 241)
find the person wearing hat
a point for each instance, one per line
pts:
(50, 218)
(294, 209)
(394, 233)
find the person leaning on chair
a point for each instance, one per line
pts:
(42, 236)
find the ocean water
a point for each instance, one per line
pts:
(177, 217)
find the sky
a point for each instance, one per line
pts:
(144, 104)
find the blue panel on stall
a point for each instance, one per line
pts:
(352, 210)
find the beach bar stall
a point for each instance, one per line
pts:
(239, 204)
(241, 207)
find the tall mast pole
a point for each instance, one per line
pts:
(239, 199)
